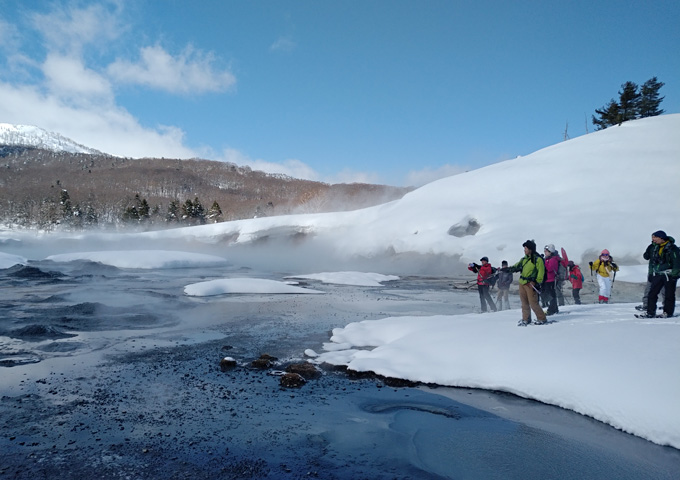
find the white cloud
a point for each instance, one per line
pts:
(70, 29)
(283, 44)
(66, 93)
(292, 168)
(112, 129)
(9, 36)
(190, 72)
(68, 77)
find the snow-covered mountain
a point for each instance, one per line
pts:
(35, 137)
(609, 189)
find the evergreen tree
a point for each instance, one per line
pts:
(199, 212)
(65, 202)
(607, 116)
(76, 219)
(649, 98)
(143, 209)
(187, 210)
(173, 212)
(215, 212)
(629, 102)
(632, 104)
(138, 211)
(91, 217)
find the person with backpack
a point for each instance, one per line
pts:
(484, 279)
(552, 265)
(605, 268)
(532, 271)
(503, 284)
(576, 279)
(561, 277)
(664, 270)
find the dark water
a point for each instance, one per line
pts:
(110, 373)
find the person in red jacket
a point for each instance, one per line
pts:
(576, 279)
(484, 272)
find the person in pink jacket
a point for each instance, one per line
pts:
(552, 265)
(484, 272)
(576, 279)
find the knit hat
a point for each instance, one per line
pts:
(530, 244)
(571, 264)
(484, 259)
(551, 248)
(661, 234)
(604, 252)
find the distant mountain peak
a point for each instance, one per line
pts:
(36, 137)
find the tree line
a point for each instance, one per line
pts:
(136, 211)
(634, 102)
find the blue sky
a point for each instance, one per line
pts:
(380, 91)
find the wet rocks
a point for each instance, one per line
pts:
(264, 362)
(306, 370)
(39, 332)
(227, 363)
(292, 380)
(26, 272)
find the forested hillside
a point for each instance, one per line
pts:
(45, 189)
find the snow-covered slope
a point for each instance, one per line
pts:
(30, 136)
(609, 189)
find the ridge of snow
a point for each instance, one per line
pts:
(36, 137)
(608, 189)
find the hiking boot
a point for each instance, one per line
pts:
(523, 323)
(642, 308)
(540, 322)
(645, 315)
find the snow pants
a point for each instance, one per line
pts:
(667, 284)
(548, 291)
(576, 293)
(645, 296)
(485, 297)
(605, 288)
(558, 293)
(503, 294)
(529, 298)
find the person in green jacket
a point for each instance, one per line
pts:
(532, 271)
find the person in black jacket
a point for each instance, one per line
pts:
(664, 270)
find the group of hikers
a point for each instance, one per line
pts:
(542, 278)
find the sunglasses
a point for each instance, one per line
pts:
(604, 255)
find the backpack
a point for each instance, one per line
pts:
(492, 279)
(562, 273)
